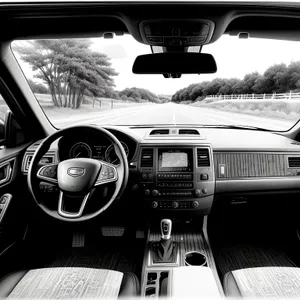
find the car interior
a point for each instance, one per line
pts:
(178, 210)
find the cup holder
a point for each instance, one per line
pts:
(195, 258)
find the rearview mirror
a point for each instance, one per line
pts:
(171, 63)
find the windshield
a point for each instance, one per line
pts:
(90, 81)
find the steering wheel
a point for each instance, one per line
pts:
(77, 178)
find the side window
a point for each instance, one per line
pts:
(4, 109)
(11, 133)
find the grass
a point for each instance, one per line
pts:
(278, 109)
(46, 100)
(87, 108)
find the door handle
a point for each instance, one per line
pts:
(6, 169)
(4, 203)
(7, 173)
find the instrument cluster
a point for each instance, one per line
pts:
(99, 148)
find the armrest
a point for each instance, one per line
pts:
(193, 282)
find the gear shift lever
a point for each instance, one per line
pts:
(165, 250)
(165, 229)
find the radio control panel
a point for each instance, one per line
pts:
(176, 177)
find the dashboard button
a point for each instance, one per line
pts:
(175, 204)
(204, 176)
(155, 192)
(197, 193)
(195, 204)
(135, 187)
(154, 204)
(204, 190)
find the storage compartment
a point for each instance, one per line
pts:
(195, 258)
(163, 284)
(150, 292)
(151, 278)
(157, 284)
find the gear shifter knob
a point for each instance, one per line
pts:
(165, 229)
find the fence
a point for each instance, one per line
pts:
(275, 96)
(45, 100)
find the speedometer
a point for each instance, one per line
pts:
(80, 150)
(111, 156)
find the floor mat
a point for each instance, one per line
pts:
(229, 258)
(123, 260)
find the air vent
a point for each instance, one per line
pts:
(189, 131)
(27, 162)
(294, 162)
(47, 159)
(203, 158)
(147, 158)
(159, 131)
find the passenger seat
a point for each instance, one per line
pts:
(263, 282)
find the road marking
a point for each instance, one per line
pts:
(98, 117)
(173, 114)
(174, 118)
(108, 119)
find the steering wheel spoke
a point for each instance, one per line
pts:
(48, 173)
(68, 214)
(108, 174)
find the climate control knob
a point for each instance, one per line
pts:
(197, 193)
(175, 204)
(155, 192)
(154, 204)
(147, 192)
(195, 204)
(204, 191)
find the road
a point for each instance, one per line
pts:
(171, 113)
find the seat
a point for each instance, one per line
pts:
(263, 282)
(68, 283)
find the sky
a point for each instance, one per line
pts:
(234, 57)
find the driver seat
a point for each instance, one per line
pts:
(69, 283)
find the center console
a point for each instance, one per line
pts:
(179, 264)
(176, 177)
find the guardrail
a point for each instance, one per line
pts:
(275, 96)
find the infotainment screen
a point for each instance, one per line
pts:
(175, 160)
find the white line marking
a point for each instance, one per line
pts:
(174, 118)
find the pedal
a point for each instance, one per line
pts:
(78, 240)
(140, 234)
(115, 231)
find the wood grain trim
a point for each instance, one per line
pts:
(247, 165)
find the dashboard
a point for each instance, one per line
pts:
(185, 169)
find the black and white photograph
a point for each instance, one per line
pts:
(149, 149)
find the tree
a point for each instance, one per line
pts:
(227, 87)
(139, 94)
(212, 88)
(37, 88)
(69, 68)
(277, 78)
(197, 91)
(288, 79)
(245, 85)
(269, 83)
